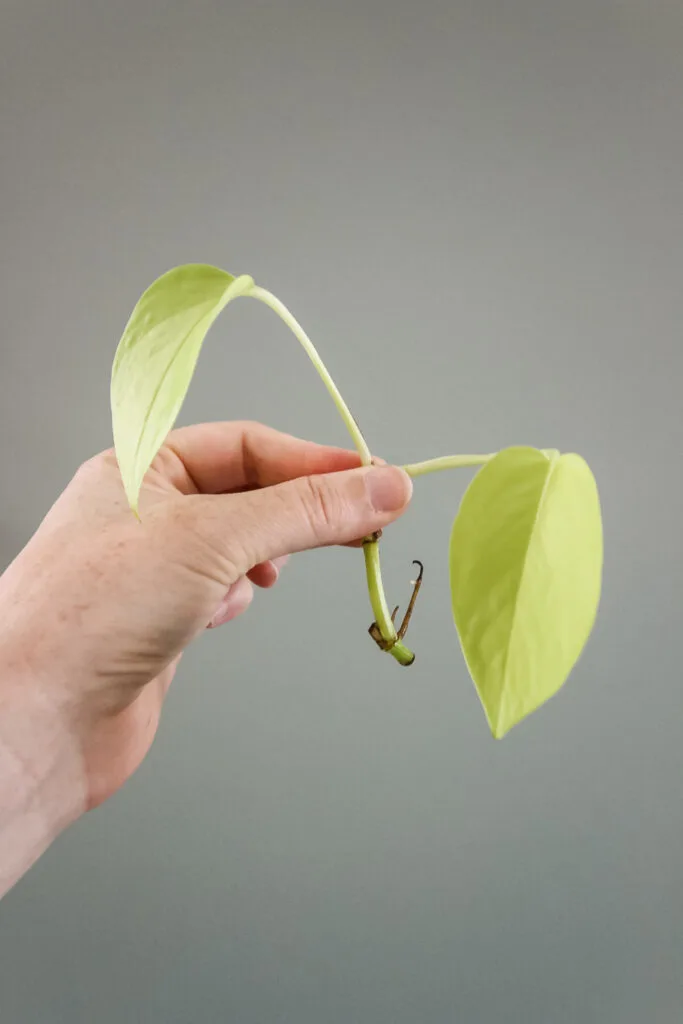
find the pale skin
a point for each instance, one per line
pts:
(99, 606)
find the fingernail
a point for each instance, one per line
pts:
(277, 564)
(389, 488)
(235, 602)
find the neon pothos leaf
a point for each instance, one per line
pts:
(156, 358)
(525, 568)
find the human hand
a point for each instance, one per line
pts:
(99, 606)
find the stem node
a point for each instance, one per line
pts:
(389, 643)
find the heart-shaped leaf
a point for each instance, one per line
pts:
(525, 566)
(156, 358)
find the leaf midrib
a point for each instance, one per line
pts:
(551, 468)
(167, 370)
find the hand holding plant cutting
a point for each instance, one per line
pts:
(99, 606)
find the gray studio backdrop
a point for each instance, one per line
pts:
(477, 211)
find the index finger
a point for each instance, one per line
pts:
(217, 458)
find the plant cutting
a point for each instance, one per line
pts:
(526, 549)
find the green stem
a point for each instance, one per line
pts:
(297, 330)
(378, 600)
(445, 462)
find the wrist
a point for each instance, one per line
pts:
(41, 773)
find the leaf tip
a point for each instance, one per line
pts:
(133, 499)
(499, 728)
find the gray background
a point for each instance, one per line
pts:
(477, 211)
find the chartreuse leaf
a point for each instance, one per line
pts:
(156, 358)
(525, 568)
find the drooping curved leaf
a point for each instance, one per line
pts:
(156, 358)
(525, 568)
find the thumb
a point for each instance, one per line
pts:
(309, 512)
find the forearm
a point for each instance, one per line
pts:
(41, 778)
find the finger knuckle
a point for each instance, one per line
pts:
(96, 465)
(321, 504)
